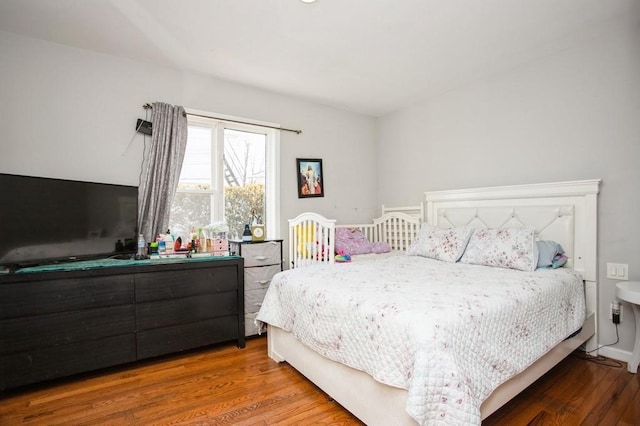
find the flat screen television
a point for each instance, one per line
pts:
(45, 220)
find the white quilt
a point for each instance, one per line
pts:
(448, 333)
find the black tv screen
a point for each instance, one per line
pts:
(45, 220)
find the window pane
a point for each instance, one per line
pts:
(192, 203)
(244, 157)
(244, 163)
(196, 168)
(189, 210)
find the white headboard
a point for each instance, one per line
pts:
(565, 212)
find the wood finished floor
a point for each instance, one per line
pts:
(225, 385)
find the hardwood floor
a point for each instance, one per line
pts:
(577, 392)
(227, 385)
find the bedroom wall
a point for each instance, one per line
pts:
(570, 116)
(71, 113)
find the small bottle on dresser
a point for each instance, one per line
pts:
(246, 235)
(142, 248)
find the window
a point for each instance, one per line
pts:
(228, 174)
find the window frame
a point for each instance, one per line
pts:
(218, 123)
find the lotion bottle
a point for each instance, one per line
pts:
(142, 247)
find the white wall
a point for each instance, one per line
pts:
(71, 113)
(574, 115)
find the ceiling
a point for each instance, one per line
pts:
(367, 56)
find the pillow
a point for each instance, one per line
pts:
(441, 244)
(559, 261)
(512, 248)
(352, 241)
(550, 254)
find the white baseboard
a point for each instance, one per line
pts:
(615, 353)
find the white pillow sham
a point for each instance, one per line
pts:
(441, 244)
(512, 248)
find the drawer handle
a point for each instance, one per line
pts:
(261, 258)
(263, 282)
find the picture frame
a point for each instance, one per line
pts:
(310, 177)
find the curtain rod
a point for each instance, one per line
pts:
(149, 106)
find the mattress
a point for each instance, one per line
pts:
(448, 333)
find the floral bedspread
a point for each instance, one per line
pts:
(448, 333)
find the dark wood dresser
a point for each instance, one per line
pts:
(61, 322)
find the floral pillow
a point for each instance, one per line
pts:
(512, 248)
(352, 241)
(441, 244)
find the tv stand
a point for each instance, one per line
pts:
(71, 318)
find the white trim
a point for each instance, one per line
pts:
(272, 185)
(217, 163)
(615, 353)
(553, 189)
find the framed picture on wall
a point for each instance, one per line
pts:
(310, 177)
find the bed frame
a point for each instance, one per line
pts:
(565, 212)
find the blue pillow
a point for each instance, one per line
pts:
(550, 254)
(559, 261)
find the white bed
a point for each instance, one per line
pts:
(564, 212)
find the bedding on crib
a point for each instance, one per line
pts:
(353, 242)
(449, 333)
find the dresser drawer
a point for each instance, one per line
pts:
(260, 254)
(164, 313)
(166, 340)
(154, 286)
(61, 295)
(250, 327)
(42, 331)
(259, 278)
(253, 300)
(58, 361)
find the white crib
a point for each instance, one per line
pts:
(312, 236)
(311, 240)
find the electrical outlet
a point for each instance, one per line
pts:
(615, 312)
(618, 271)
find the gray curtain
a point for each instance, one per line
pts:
(161, 169)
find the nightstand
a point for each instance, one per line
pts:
(262, 260)
(629, 291)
